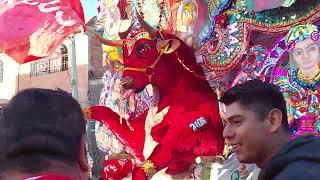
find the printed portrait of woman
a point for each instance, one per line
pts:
(299, 80)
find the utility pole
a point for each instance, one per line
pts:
(74, 74)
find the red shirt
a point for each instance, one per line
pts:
(50, 177)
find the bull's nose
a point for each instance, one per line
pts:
(127, 83)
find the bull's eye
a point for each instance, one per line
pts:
(143, 49)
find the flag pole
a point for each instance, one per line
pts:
(74, 74)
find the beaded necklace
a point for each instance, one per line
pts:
(309, 80)
(311, 83)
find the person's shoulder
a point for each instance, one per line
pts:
(300, 170)
(309, 140)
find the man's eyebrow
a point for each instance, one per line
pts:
(232, 118)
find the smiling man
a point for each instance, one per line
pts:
(256, 127)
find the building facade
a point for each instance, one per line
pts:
(53, 72)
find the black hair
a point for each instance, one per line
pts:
(38, 126)
(259, 96)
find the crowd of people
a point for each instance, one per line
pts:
(43, 135)
(273, 123)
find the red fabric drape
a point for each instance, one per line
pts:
(31, 29)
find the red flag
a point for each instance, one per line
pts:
(31, 29)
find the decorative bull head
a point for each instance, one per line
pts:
(145, 61)
(146, 54)
(142, 51)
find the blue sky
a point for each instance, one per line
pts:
(90, 7)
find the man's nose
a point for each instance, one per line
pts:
(228, 132)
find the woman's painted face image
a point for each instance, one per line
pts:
(306, 54)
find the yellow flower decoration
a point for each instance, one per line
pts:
(148, 166)
(188, 7)
(86, 112)
(300, 32)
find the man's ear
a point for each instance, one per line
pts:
(274, 120)
(83, 160)
(168, 46)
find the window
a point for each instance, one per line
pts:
(64, 60)
(56, 62)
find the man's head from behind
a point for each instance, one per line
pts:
(255, 120)
(40, 129)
